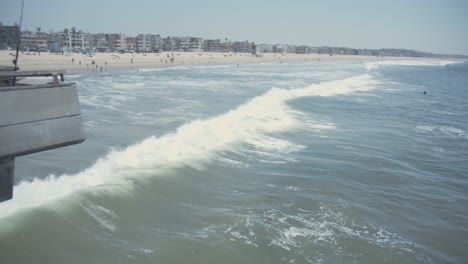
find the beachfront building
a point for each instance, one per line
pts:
(54, 41)
(167, 44)
(196, 44)
(116, 41)
(131, 43)
(191, 44)
(291, 49)
(171, 43)
(212, 45)
(8, 36)
(143, 42)
(324, 50)
(108, 41)
(242, 47)
(33, 40)
(302, 49)
(156, 43)
(348, 51)
(98, 42)
(148, 43)
(74, 39)
(227, 46)
(313, 50)
(280, 48)
(185, 43)
(265, 48)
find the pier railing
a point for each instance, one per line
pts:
(8, 76)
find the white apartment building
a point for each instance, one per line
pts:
(75, 39)
(143, 42)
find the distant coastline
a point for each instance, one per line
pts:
(75, 40)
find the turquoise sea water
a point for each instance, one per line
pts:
(318, 162)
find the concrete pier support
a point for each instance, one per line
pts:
(34, 118)
(7, 172)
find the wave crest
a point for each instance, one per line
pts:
(192, 144)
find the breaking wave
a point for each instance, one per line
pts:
(377, 64)
(193, 144)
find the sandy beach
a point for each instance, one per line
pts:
(80, 62)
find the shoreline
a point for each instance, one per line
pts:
(111, 62)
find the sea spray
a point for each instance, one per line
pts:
(192, 144)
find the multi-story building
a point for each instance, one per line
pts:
(265, 48)
(212, 45)
(156, 43)
(227, 46)
(324, 50)
(121, 41)
(196, 44)
(116, 41)
(171, 44)
(54, 41)
(8, 36)
(73, 39)
(143, 42)
(313, 50)
(191, 44)
(98, 42)
(302, 49)
(105, 42)
(33, 40)
(185, 43)
(280, 48)
(291, 49)
(242, 47)
(131, 43)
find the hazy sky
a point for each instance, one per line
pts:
(439, 26)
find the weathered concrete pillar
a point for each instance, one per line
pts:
(7, 172)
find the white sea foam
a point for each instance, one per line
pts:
(102, 215)
(192, 144)
(184, 67)
(290, 231)
(162, 69)
(74, 76)
(443, 130)
(208, 85)
(377, 64)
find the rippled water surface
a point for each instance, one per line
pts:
(314, 162)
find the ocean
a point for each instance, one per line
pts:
(312, 162)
